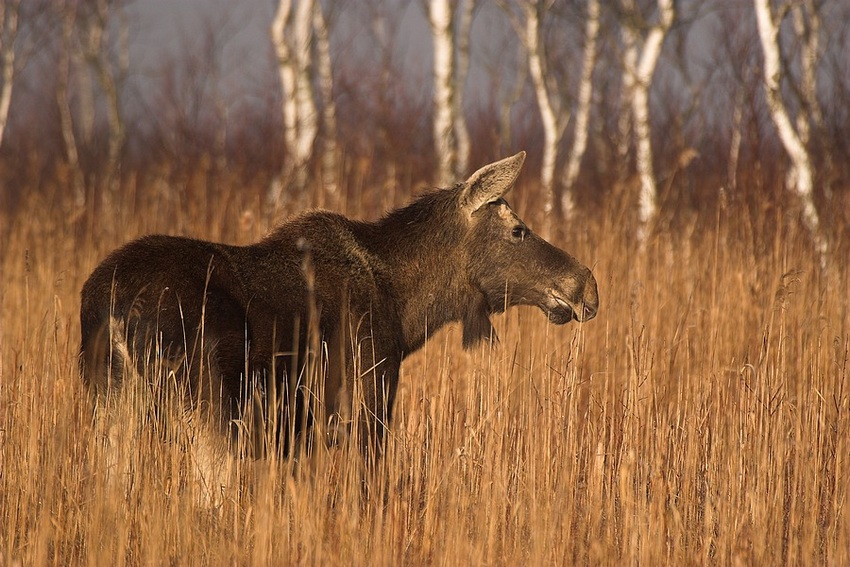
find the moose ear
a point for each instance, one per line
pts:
(490, 182)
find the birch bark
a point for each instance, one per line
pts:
(554, 103)
(63, 102)
(325, 72)
(97, 52)
(461, 71)
(440, 17)
(292, 36)
(585, 93)
(554, 122)
(800, 177)
(308, 124)
(9, 13)
(643, 73)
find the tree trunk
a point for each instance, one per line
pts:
(8, 36)
(63, 79)
(298, 103)
(461, 71)
(735, 141)
(646, 64)
(440, 17)
(807, 26)
(800, 177)
(308, 118)
(286, 72)
(553, 123)
(583, 111)
(330, 165)
(97, 51)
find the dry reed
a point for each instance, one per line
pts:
(701, 418)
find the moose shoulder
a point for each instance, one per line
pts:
(357, 296)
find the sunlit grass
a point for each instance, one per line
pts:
(701, 418)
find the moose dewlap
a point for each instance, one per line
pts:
(351, 298)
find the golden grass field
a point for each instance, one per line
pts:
(702, 418)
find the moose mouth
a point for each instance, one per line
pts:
(561, 311)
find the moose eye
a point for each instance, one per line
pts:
(518, 232)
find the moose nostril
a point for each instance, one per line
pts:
(589, 312)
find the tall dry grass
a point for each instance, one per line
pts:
(701, 418)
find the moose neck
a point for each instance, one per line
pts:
(423, 246)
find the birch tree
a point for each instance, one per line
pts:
(451, 63)
(299, 33)
(99, 51)
(292, 36)
(68, 59)
(585, 93)
(552, 115)
(640, 65)
(440, 17)
(9, 18)
(330, 154)
(553, 101)
(462, 31)
(794, 137)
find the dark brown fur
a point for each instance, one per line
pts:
(378, 288)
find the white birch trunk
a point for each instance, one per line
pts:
(330, 156)
(800, 177)
(292, 35)
(440, 17)
(8, 36)
(807, 29)
(646, 64)
(553, 123)
(308, 118)
(286, 73)
(461, 131)
(583, 110)
(647, 200)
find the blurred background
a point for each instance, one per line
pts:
(648, 105)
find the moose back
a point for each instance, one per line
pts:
(355, 298)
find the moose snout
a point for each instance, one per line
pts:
(576, 299)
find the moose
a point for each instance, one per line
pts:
(353, 298)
